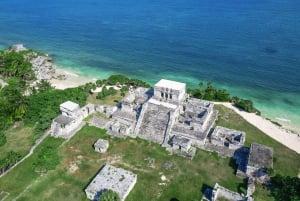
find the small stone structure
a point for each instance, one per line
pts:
(101, 145)
(111, 178)
(219, 192)
(195, 121)
(18, 48)
(70, 120)
(260, 158)
(181, 143)
(229, 138)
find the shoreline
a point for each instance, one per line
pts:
(280, 134)
(72, 79)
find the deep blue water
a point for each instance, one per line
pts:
(251, 47)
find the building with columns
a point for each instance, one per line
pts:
(169, 91)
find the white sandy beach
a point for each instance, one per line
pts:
(282, 135)
(72, 79)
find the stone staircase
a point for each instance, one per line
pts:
(154, 123)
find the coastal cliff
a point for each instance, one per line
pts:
(42, 64)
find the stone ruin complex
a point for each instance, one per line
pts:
(168, 116)
(163, 115)
(111, 178)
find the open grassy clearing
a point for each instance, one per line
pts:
(80, 163)
(19, 139)
(109, 100)
(185, 179)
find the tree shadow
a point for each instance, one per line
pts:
(242, 187)
(233, 165)
(207, 190)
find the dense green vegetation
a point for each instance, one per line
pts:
(13, 64)
(109, 195)
(211, 93)
(17, 72)
(47, 159)
(106, 92)
(9, 160)
(285, 188)
(44, 106)
(123, 80)
(2, 139)
(120, 80)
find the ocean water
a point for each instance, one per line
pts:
(251, 47)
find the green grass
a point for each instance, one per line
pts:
(23, 176)
(109, 100)
(185, 180)
(19, 139)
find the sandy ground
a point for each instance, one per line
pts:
(282, 135)
(72, 80)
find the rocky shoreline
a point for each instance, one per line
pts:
(42, 64)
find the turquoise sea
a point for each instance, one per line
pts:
(250, 47)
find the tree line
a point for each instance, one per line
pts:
(210, 93)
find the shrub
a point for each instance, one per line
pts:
(2, 139)
(109, 195)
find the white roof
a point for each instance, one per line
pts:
(69, 105)
(170, 84)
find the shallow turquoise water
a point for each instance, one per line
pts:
(251, 48)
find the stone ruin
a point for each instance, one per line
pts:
(259, 160)
(225, 141)
(230, 138)
(195, 121)
(71, 119)
(219, 192)
(101, 145)
(111, 178)
(42, 65)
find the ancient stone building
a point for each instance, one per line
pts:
(111, 178)
(260, 158)
(221, 193)
(225, 137)
(169, 91)
(70, 120)
(101, 145)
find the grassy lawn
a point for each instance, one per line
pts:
(109, 100)
(185, 179)
(79, 164)
(19, 139)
